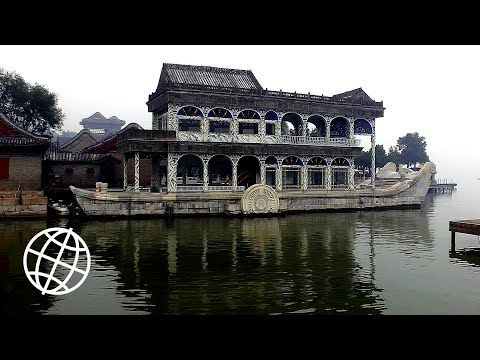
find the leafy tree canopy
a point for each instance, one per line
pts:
(412, 148)
(32, 107)
(365, 158)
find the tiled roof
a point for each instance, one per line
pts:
(13, 135)
(99, 118)
(207, 76)
(74, 157)
(357, 96)
(81, 133)
(111, 137)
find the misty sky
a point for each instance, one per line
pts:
(429, 89)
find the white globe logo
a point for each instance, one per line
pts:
(81, 253)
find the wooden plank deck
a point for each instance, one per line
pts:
(442, 187)
(465, 227)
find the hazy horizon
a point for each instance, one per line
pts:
(425, 89)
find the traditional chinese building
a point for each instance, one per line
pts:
(219, 129)
(101, 126)
(21, 156)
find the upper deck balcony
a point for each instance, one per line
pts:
(155, 135)
(320, 141)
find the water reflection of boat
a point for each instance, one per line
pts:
(61, 209)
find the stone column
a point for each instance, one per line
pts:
(234, 125)
(156, 172)
(234, 175)
(304, 127)
(351, 122)
(204, 128)
(125, 172)
(234, 159)
(263, 172)
(205, 174)
(351, 175)
(327, 129)
(304, 177)
(329, 177)
(262, 129)
(172, 173)
(137, 171)
(278, 178)
(372, 181)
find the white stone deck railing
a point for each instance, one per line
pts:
(289, 139)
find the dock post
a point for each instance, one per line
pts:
(452, 240)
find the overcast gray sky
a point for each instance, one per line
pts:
(429, 89)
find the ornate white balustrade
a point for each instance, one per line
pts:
(313, 140)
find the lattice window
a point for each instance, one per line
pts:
(248, 114)
(220, 112)
(190, 111)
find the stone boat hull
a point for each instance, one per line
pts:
(256, 200)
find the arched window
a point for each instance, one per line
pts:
(190, 111)
(248, 114)
(292, 172)
(270, 170)
(271, 160)
(339, 127)
(292, 160)
(185, 121)
(340, 173)
(362, 127)
(317, 170)
(220, 113)
(340, 162)
(219, 126)
(271, 115)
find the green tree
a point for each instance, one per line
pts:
(32, 107)
(394, 155)
(364, 161)
(412, 148)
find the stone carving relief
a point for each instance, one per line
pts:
(172, 172)
(189, 136)
(260, 199)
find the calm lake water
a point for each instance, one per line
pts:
(369, 262)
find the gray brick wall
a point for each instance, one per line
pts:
(25, 169)
(79, 177)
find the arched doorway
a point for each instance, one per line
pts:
(316, 126)
(292, 124)
(190, 170)
(248, 170)
(220, 171)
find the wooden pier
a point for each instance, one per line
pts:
(464, 227)
(441, 186)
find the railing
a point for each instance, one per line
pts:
(146, 134)
(253, 91)
(313, 140)
(186, 188)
